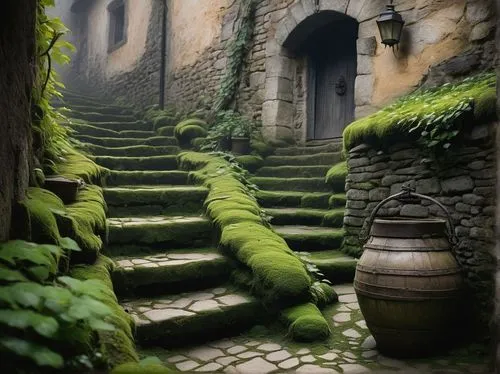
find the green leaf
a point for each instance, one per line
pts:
(69, 244)
(150, 360)
(9, 275)
(22, 319)
(99, 325)
(40, 354)
(27, 294)
(41, 273)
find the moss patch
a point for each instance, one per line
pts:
(306, 323)
(250, 162)
(337, 174)
(277, 274)
(75, 165)
(425, 107)
(117, 346)
(189, 129)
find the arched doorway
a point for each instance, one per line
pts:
(327, 41)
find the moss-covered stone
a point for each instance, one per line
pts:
(335, 265)
(118, 126)
(336, 175)
(296, 216)
(166, 131)
(420, 106)
(168, 162)
(292, 184)
(308, 239)
(131, 151)
(293, 199)
(164, 120)
(77, 166)
(146, 177)
(333, 218)
(190, 129)
(306, 323)
(310, 171)
(138, 368)
(116, 346)
(127, 142)
(250, 162)
(261, 148)
(303, 160)
(102, 117)
(337, 200)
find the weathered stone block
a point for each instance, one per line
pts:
(367, 46)
(457, 184)
(358, 162)
(336, 5)
(357, 195)
(353, 221)
(478, 11)
(279, 66)
(428, 186)
(413, 210)
(378, 194)
(481, 233)
(473, 199)
(390, 179)
(359, 177)
(279, 88)
(355, 204)
(481, 30)
(365, 64)
(405, 154)
(462, 208)
(363, 89)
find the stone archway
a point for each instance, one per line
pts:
(287, 89)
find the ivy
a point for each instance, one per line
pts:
(237, 51)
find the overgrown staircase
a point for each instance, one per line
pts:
(307, 212)
(168, 274)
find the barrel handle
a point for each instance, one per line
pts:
(407, 192)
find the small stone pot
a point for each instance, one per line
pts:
(240, 146)
(65, 189)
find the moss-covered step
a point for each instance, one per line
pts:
(149, 200)
(304, 160)
(193, 317)
(293, 199)
(95, 116)
(166, 130)
(80, 128)
(293, 171)
(103, 109)
(170, 272)
(137, 125)
(146, 177)
(168, 162)
(310, 238)
(306, 216)
(335, 265)
(335, 146)
(126, 142)
(70, 100)
(132, 151)
(292, 184)
(160, 231)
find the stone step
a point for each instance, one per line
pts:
(103, 109)
(310, 238)
(333, 146)
(89, 130)
(118, 140)
(293, 199)
(149, 177)
(166, 131)
(132, 151)
(94, 116)
(193, 317)
(335, 265)
(154, 200)
(307, 216)
(292, 184)
(138, 163)
(293, 171)
(173, 271)
(326, 159)
(70, 100)
(135, 125)
(159, 231)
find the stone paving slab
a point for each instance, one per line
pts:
(350, 350)
(178, 316)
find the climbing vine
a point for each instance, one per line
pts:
(50, 138)
(237, 49)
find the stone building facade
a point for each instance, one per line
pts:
(282, 84)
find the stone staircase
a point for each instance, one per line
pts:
(305, 211)
(169, 276)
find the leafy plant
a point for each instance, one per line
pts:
(46, 319)
(228, 124)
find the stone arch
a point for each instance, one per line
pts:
(279, 111)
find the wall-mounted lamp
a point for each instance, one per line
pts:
(390, 24)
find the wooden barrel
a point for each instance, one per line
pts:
(409, 285)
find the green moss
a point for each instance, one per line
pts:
(250, 162)
(337, 200)
(148, 177)
(117, 346)
(166, 131)
(197, 143)
(306, 323)
(313, 240)
(337, 174)
(131, 151)
(75, 165)
(261, 148)
(163, 120)
(334, 218)
(168, 162)
(425, 107)
(189, 129)
(293, 184)
(134, 368)
(300, 216)
(335, 265)
(315, 200)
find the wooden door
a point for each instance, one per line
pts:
(332, 72)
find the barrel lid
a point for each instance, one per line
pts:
(408, 228)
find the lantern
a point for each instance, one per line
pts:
(390, 24)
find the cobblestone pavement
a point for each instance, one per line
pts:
(350, 350)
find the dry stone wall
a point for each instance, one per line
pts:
(464, 181)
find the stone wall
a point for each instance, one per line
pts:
(464, 181)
